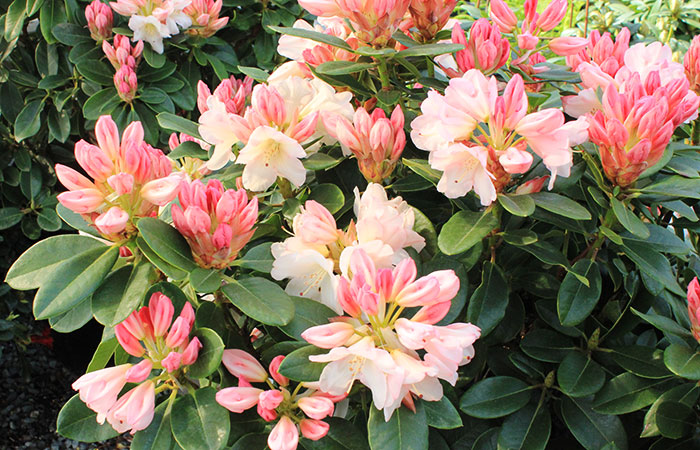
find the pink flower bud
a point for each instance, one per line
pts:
(99, 389)
(107, 135)
(99, 18)
(329, 335)
(93, 160)
(172, 362)
(316, 407)
(189, 355)
(134, 410)
(503, 16)
(531, 186)
(430, 16)
(552, 15)
(72, 179)
(122, 183)
(238, 399)
(128, 342)
(81, 201)
(313, 429)
(188, 314)
(432, 314)
(242, 364)
(161, 311)
(694, 307)
(315, 224)
(515, 160)
(112, 222)
(567, 45)
(126, 83)
(270, 399)
(178, 333)
(139, 372)
(161, 191)
(274, 371)
(268, 415)
(284, 436)
(527, 41)
(691, 64)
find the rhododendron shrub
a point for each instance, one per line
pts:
(395, 229)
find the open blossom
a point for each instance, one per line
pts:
(131, 179)
(430, 16)
(691, 64)
(373, 21)
(694, 307)
(485, 50)
(282, 116)
(216, 222)
(99, 20)
(165, 347)
(378, 347)
(205, 17)
(376, 141)
(297, 409)
(485, 162)
(314, 53)
(318, 252)
(154, 20)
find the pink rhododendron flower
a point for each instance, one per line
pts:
(430, 16)
(99, 389)
(314, 53)
(205, 17)
(134, 410)
(376, 141)
(233, 93)
(485, 50)
(99, 20)
(216, 222)
(694, 307)
(153, 20)
(691, 64)
(381, 353)
(125, 171)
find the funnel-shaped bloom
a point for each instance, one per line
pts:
(216, 222)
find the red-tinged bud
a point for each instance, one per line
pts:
(189, 355)
(139, 372)
(274, 371)
(112, 222)
(313, 429)
(99, 20)
(172, 362)
(238, 399)
(128, 341)
(503, 16)
(242, 364)
(316, 407)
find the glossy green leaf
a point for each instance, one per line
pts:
(320, 161)
(205, 280)
(653, 264)
(487, 305)
(405, 430)
(430, 50)
(178, 124)
(645, 362)
(628, 219)
(342, 67)
(297, 366)
(675, 419)
(189, 149)
(166, 242)
(158, 434)
(495, 397)
(102, 354)
(73, 319)
(563, 206)
(73, 280)
(122, 292)
(209, 356)
(329, 195)
(77, 421)
(198, 421)
(261, 300)
(682, 361)
(10, 216)
(626, 393)
(342, 435)
(258, 258)
(527, 429)
(579, 376)
(518, 205)
(464, 230)
(28, 121)
(71, 34)
(546, 345)
(314, 36)
(591, 429)
(663, 323)
(307, 313)
(442, 414)
(168, 269)
(575, 301)
(685, 393)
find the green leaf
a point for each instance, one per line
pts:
(122, 292)
(189, 148)
(660, 239)
(329, 195)
(321, 161)
(209, 357)
(52, 13)
(628, 219)
(342, 435)
(422, 168)
(575, 301)
(314, 36)
(198, 421)
(158, 434)
(76, 221)
(520, 237)
(168, 269)
(307, 313)
(546, 345)
(100, 103)
(645, 362)
(102, 355)
(178, 124)
(682, 361)
(10, 217)
(685, 393)
(626, 393)
(527, 429)
(430, 50)
(28, 121)
(592, 430)
(96, 71)
(664, 324)
(78, 422)
(563, 206)
(653, 264)
(153, 95)
(258, 75)
(342, 67)
(579, 376)
(442, 414)
(205, 280)
(251, 441)
(487, 305)
(518, 205)
(261, 300)
(166, 242)
(464, 230)
(73, 280)
(297, 366)
(495, 397)
(258, 258)
(14, 19)
(30, 182)
(405, 430)
(74, 319)
(674, 419)
(71, 34)
(672, 187)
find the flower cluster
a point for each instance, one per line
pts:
(485, 50)
(165, 350)
(430, 16)
(216, 222)
(691, 64)
(376, 141)
(131, 179)
(281, 118)
(205, 17)
(153, 20)
(645, 97)
(528, 33)
(485, 161)
(376, 345)
(124, 59)
(99, 20)
(318, 252)
(314, 53)
(293, 408)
